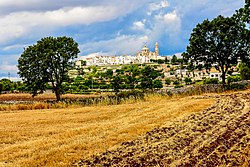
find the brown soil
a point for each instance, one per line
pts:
(218, 136)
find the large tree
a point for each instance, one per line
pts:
(219, 43)
(47, 61)
(244, 13)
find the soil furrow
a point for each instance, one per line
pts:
(217, 136)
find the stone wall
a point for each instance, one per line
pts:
(208, 88)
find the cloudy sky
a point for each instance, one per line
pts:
(109, 27)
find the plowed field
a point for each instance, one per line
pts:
(217, 136)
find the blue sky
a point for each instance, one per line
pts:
(108, 27)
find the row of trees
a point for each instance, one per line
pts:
(128, 77)
(10, 86)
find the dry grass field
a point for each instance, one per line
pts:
(41, 97)
(216, 137)
(60, 137)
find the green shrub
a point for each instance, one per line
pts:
(188, 80)
(211, 81)
(168, 81)
(176, 82)
(231, 79)
(178, 86)
(237, 86)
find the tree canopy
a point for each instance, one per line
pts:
(219, 43)
(244, 13)
(47, 61)
(149, 75)
(174, 59)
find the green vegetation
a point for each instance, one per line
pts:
(149, 74)
(245, 70)
(174, 59)
(218, 43)
(168, 81)
(10, 86)
(127, 77)
(48, 61)
(231, 79)
(211, 81)
(188, 80)
(244, 13)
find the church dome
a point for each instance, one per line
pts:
(145, 48)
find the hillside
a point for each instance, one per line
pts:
(217, 136)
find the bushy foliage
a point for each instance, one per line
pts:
(1, 88)
(176, 82)
(11, 86)
(188, 80)
(245, 71)
(157, 84)
(47, 61)
(231, 79)
(148, 75)
(211, 81)
(237, 86)
(219, 42)
(168, 81)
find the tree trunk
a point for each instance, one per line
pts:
(223, 76)
(57, 93)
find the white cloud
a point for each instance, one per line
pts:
(18, 24)
(93, 55)
(157, 6)
(139, 25)
(168, 24)
(29, 21)
(6, 3)
(171, 17)
(16, 46)
(124, 44)
(171, 21)
(45, 5)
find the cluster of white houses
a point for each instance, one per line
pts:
(145, 56)
(141, 57)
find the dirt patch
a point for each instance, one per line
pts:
(217, 136)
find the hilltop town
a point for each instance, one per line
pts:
(175, 70)
(142, 57)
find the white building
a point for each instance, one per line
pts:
(216, 75)
(148, 54)
(141, 57)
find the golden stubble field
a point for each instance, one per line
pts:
(60, 137)
(217, 136)
(41, 97)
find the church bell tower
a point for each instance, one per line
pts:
(156, 49)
